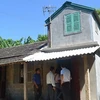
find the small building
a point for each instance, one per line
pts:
(12, 71)
(73, 40)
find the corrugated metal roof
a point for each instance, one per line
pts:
(42, 56)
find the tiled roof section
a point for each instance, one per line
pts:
(14, 54)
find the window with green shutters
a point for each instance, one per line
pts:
(72, 23)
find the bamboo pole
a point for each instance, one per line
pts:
(87, 78)
(25, 81)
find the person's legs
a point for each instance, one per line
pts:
(51, 93)
(66, 91)
(38, 92)
(35, 93)
(57, 92)
(47, 95)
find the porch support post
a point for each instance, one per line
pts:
(25, 81)
(87, 78)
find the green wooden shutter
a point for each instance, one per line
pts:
(68, 23)
(76, 22)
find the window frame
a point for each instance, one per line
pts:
(18, 77)
(64, 23)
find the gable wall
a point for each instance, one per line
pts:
(57, 29)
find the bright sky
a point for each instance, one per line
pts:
(23, 18)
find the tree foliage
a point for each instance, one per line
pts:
(4, 43)
(28, 40)
(42, 37)
(98, 12)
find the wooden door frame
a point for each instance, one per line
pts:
(75, 79)
(70, 64)
(3, 82)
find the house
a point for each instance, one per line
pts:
(11, 70)
(74, 40)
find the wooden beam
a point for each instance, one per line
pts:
(25, 81)
(49, 35)
(87, 78)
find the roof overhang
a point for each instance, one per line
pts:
(78, 6)
(43, 56)
(68, 4)
(71, 47)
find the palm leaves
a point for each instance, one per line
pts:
(5, 43)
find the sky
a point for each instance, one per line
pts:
(23, 18)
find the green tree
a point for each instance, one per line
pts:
(18, 42)
(10, 42)
(42, 37)
(98, 12)
(4, 43)
(28, 40)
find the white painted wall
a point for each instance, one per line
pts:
(97, 67)
(96, 36)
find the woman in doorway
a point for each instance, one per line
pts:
(57, 83)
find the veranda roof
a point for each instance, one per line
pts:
(42, 56)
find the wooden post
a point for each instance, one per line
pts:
(42, 74)
(49, 35)
(25, 81)
(87, 78)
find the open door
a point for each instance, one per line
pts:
(2, 81)
(73, 65)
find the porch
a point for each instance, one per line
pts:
(16, 88)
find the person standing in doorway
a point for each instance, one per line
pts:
(65, 82)
(57, 83)
(50, 84)
(37, 84)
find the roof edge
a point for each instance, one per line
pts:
(67, 3)
(19, 61)
(71, 47)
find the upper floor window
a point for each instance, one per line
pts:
(72, 23)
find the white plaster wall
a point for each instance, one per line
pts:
(97, 66)
(93, 89)
(96, 36)
(58, 37)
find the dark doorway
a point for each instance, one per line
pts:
(73, 65)
(2, 81)
(75, 83)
